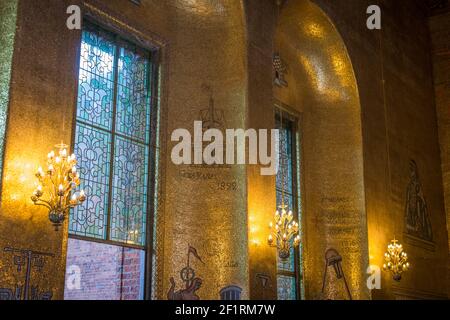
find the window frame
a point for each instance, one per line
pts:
(154, 56)
(295, 118)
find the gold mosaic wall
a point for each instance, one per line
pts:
(261, 198)
(42, 92)
(206, 207)
(226, 46)
(202, 45)
(401, 128)
(8, 14)
(322, 88)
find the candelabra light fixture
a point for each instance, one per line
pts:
(57, 186)
(396, 260)
(284, 234)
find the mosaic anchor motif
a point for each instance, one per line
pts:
(26, 260)
(187, 274)
(212, 118)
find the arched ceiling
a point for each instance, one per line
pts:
(319, 50)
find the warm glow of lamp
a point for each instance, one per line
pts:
(396, 260)
(58, 185)
(285, 234)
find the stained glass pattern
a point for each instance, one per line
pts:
(96, 80)
(288, 265)
(286, 288)
(287, 279)
(133, 100)
(112, 138)
(129, 203)
(93, 151)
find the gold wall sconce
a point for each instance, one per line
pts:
(396, 260)
(284, 235)
(56, 187)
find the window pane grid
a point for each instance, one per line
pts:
(129, 201)
(96, 79)
(115, 168)
(95, 100)
(92, 150)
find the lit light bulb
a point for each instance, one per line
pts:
(82, 196)
(285, 232)
(62, 180)
(38, 193)
(60, 190)
(40, 172)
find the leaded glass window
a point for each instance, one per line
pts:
(112, 138)
(288, 272)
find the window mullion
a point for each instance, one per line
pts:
(113, 140)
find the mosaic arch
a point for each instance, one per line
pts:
(322, 87)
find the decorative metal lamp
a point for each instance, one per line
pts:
(284, 235)
(57, 185)
(396, 260)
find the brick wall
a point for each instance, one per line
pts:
(440, 35)
(107, 272)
